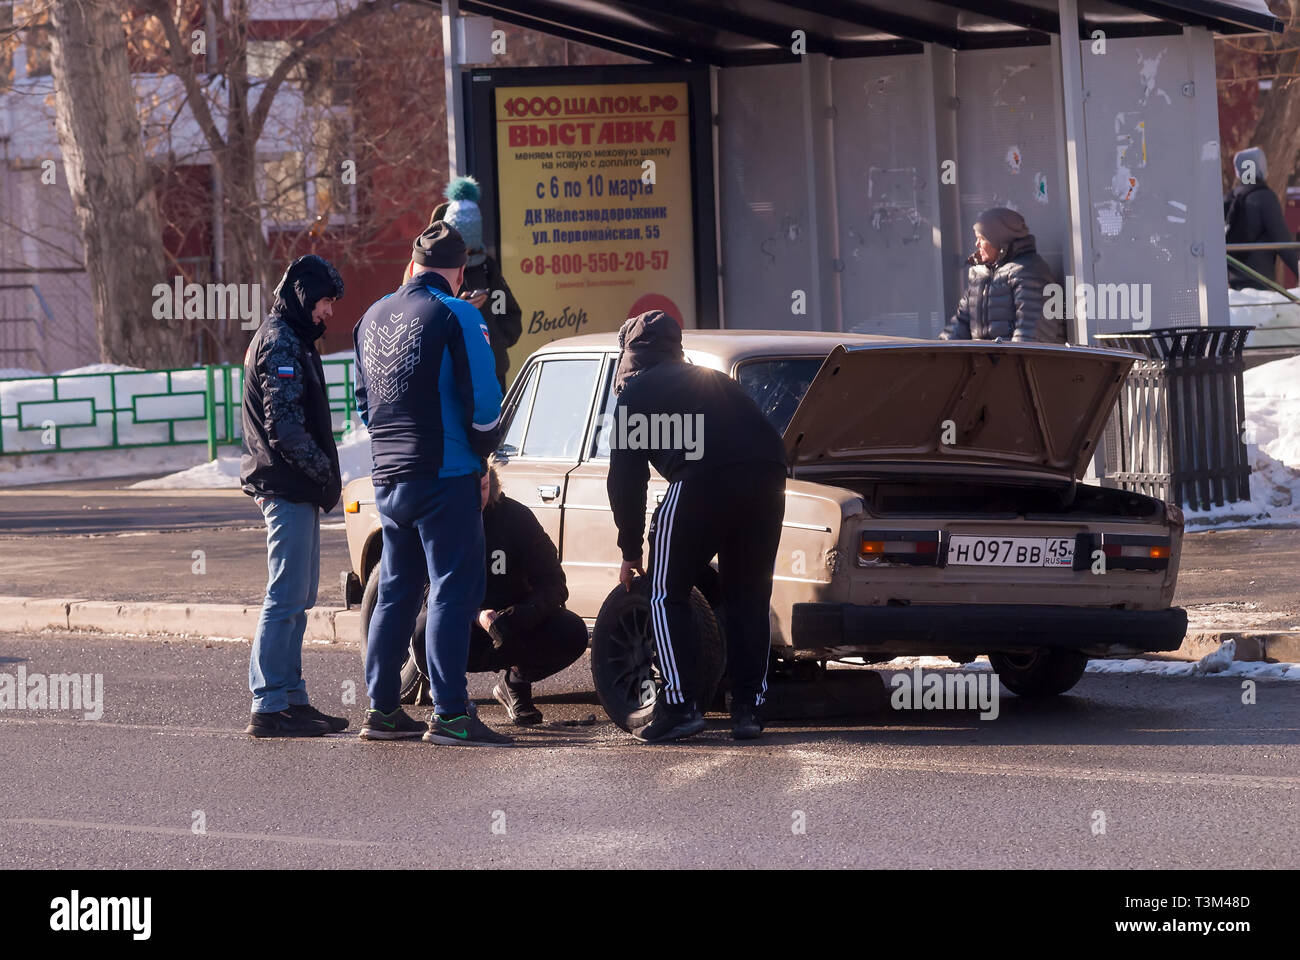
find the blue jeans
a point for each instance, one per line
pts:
(433, 533)
(293, 569)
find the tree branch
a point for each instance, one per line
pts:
(296, 55)
(183, 67)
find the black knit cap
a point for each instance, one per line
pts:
(439, 245)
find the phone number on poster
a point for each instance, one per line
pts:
(596, 262)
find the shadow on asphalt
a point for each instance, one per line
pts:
(1213, 716)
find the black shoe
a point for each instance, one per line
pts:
(390, 726)
(463, 730)
(517, 698)
(664, 721)
(336, 724)
(285, 723)
(746, 723)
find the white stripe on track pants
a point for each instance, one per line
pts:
(733, 513)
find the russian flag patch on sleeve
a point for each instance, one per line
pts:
(284, 372)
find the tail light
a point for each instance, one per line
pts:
(352, 506)
(906, 547)
(1122, 551)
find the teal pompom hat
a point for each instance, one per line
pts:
(463, 212)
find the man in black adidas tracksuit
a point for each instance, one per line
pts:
(726, 468)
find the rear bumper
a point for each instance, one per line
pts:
(984, 627)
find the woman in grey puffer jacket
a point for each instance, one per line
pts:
(1004, 285)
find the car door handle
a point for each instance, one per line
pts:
(548, 491)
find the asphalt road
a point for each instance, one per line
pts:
(99, 542)
(113, 544)
(1183, 773)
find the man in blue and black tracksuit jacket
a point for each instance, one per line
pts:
(426, 388)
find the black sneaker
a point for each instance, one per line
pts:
(336, 724)
(285, 723)
(390, 726)
(746, 723)
(517, 698)
(666, 721)
(463, 730)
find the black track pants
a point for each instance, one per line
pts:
(733, 513)
(559, 640)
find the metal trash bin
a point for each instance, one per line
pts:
(1176, 432)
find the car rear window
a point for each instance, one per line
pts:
(777, 385)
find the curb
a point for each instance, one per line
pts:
(230, 620)
(337, 625)
(1280, 646)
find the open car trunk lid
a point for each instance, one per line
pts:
(1033, 410)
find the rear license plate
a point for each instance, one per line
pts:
(1011, 551)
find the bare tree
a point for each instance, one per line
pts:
(112, 188)
(233, 107)
(1262, 75)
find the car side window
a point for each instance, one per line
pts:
(563, 400)
(514, 434)
(600, 442)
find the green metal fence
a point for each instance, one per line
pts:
(125, 409)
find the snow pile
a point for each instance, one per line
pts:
(1254, 669)
(93, 368)
(354, 462)
(354, 455)
(22, 373)
(1273, 409)
(1276, 320)
(1274, 497)
(96, 464)
(1272, 434)
(213, 475)
(1241, 614)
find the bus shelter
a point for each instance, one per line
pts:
(832, 155)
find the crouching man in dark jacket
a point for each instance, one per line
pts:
(726, 470)
(523, 631)
(290, 467)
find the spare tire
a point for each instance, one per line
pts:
(625, 663)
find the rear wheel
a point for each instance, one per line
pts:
(411, 671)
(625, 664)
(1039, 673)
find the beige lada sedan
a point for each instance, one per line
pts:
(935, 506)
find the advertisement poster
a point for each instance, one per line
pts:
(594, 194)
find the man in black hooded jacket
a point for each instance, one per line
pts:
(726, 468)
(290, 467)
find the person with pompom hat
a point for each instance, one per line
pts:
(500, 310)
